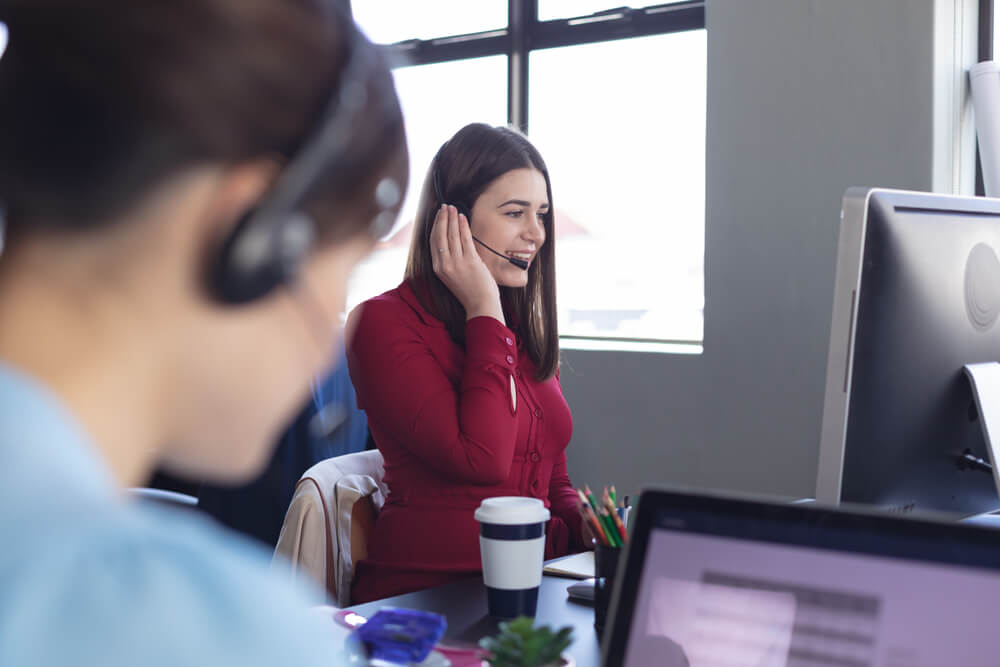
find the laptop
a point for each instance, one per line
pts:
(711, 580)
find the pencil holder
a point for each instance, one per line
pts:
(605, 566)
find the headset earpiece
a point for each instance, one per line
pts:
(268, 245)
(464, 210)
(255, 258)
(439, 189)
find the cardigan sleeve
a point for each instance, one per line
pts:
(467, 432)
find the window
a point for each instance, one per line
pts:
(565, 9)
(437, 100)
(615, 102)
(628, 175)
(389, 21)
(987, 48)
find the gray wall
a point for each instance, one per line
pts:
(805, 98)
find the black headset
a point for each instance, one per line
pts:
(267, 246)
(463, 208)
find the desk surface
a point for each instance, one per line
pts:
(463, 603)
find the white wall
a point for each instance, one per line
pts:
(805, 98)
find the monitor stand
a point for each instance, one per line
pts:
(985, 381)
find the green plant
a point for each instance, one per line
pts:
(520, 644)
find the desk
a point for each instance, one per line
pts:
(463, 603)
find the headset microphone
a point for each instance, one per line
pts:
(516, 261)
(439, 191)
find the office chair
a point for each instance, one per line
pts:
(330, 519)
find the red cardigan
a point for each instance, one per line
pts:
(443, 418)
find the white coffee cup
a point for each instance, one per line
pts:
(512, 546)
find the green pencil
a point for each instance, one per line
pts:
(609, 528)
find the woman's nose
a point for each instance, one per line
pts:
(535, 231)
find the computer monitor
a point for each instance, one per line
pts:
(711, 579)
(917, 297)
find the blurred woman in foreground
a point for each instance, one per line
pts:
(186, 184)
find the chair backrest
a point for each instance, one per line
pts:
(330, 518)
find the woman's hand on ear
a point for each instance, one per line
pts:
(459, 266)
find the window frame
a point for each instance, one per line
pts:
(524, 33)
(987, 9)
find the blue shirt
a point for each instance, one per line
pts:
(89, 579)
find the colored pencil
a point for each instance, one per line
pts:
(595, 524)
(588, 515)
(617, 522)
(611, 524)
(609, 527)
(615, 540)
(609, 533)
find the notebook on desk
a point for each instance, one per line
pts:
(711, 580)
(577, 566)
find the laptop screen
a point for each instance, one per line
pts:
(744, 583)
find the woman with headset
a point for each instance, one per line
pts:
(186, 186)
(457, 368)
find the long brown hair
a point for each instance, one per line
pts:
(464, 167)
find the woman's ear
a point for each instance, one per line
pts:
(238, 189)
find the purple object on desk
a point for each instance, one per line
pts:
(402, 635)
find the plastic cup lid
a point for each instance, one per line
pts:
(512, 510)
